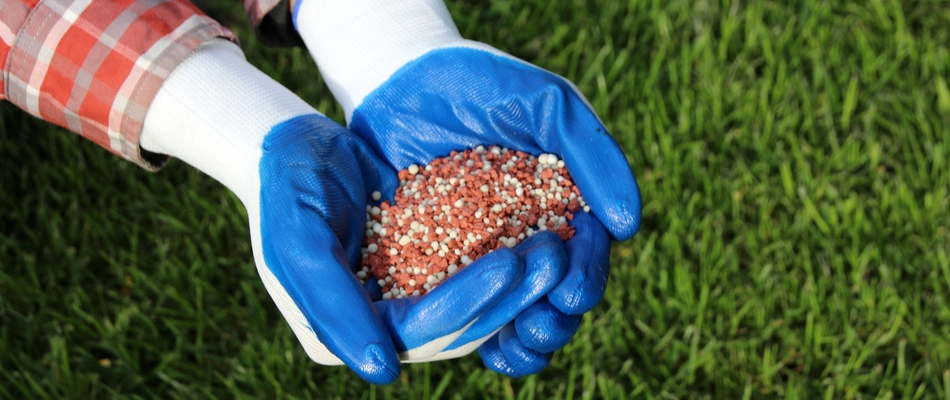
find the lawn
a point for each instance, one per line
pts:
(793, 161)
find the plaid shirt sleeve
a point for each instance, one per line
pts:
(95, 66)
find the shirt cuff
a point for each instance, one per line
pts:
(94, 67)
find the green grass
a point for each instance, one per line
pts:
(793, 160)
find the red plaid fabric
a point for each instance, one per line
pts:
(95, 66)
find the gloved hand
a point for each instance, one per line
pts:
(304, 181)
(415, 90)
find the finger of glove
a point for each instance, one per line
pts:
(544, 329)
(588, 252)
(504, 353)
(425, 325)
(312, 268)
(596, 162)
(311, 198)
(545, 266)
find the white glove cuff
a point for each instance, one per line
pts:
(213, 112)
(359, 44)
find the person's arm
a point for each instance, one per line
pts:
(78, 65)
(150, 80)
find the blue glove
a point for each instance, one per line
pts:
(315, 177)
(415, 90)
(459, 98)
(304, 180)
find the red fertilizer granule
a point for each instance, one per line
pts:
(458, 208)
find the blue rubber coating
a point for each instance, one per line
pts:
(458, 98)
(472, 291)
(589, 258)
(504, 353)
(373, 290)
(314, 180)
(545, 266)
(544, 328)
